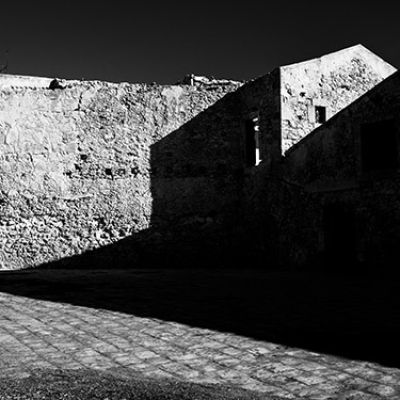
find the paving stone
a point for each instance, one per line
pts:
(357, 395)
(278, 367)
(390, 380)
(338, 376)
(145, 355)
(229, 362)
(314, 393)
(292, 361)
(311, 366)
(329, 387)
(42, 334)
(383, 390)
(359, 383)
(183, 357)
(310, 379)
(158, 374)
(295, 386)
(318, 395)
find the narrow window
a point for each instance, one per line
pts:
(252, 142)
(320, 114)
(379, 146)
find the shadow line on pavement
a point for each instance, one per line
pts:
(348, 316)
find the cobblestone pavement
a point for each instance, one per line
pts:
(43, 333)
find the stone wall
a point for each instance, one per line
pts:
(328, 165)
(333, 81)
(161, 172)
(204, 161)
(330, 157)
(202, 186)
(76, 163)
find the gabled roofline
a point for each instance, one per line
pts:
(334, 54)
(333, 119)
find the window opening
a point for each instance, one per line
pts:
(252, 142)
(320, 114)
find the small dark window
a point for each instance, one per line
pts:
(108, 171)
(320, 114)
(252, 142)
(379, 146)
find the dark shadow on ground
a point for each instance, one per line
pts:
(350, 316)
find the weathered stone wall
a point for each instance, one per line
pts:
(147, 170)
(75, 164)
(333, 81)
(207, 150)
(328, 165)
(330, 157)
(201, 184)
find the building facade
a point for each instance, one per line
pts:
(204, 172)
(350, 170)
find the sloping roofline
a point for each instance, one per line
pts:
(345, 110)
(358, 48)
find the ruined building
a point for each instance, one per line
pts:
(298, 167)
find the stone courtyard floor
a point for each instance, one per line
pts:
(293, 336)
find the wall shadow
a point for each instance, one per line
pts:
(197, 174)
(197, 180)
(353, 317)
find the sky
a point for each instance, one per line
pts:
(162, 41)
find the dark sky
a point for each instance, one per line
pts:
(162, 41)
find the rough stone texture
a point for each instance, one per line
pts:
(75, 163)
(270, 333)
(333, 81)
(199, 169)
(328, 165)
(155, 171)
